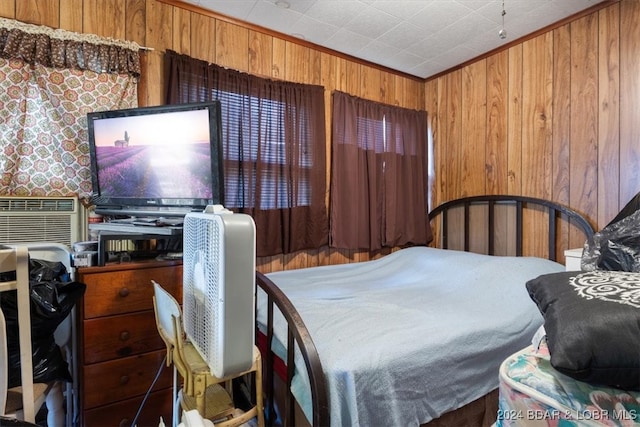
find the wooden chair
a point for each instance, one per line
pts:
(19, 402)
(201, 390)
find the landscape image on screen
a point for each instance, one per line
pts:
(164, 155)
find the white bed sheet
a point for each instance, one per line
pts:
(408, 337)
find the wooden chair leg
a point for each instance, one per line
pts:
(258, 386)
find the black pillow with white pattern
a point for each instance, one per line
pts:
(592, 323)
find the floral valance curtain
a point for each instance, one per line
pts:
(49, 80)
(63, 49)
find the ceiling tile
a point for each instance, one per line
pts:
(417, 37)
(371, 22)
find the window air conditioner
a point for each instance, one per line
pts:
(40, 219)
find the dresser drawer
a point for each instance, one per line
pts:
(121, 351)
(127, 290)
(112, 337)
(121, 379)
(122, 414)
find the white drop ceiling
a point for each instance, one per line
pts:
(418, 37)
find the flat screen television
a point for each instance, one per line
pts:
(156, 161)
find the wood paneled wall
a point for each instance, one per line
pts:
(554, 116)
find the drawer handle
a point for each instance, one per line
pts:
(124, 335)
(124, 379)
(124, 292)
(124, 422)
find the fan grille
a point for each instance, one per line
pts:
(203, 297)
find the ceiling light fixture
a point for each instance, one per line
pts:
(282, 4)
(503, 33)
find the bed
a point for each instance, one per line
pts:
(395, 359)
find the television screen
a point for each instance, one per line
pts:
(164, 160)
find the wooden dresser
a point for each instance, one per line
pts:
(120, 349)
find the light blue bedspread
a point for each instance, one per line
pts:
(417, 333)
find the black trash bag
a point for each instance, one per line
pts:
(48, 363)
(617, 246)
(47, 271)
(53, 296)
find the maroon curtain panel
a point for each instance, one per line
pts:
(274, 149)
(379, 182)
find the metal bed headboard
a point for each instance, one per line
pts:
(554, 211)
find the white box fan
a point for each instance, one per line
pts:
(219, 260)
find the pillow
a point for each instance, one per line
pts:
(592, 322)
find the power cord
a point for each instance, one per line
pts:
(146, 396)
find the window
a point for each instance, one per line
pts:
(277, 187)
(379, 175)
(274, 149)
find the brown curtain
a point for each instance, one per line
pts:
(274, 149)
(378, 175)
